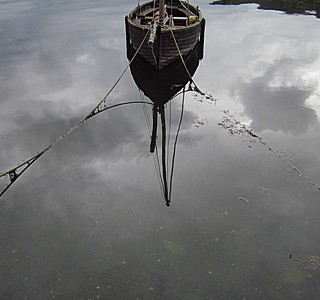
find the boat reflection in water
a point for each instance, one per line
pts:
(165, 42)
(162, 85)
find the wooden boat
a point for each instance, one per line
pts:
(166, 33)
(165, 41)
(161, 20)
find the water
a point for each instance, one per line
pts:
(87, 220)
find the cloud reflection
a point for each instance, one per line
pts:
(277, 100)
(87, 219)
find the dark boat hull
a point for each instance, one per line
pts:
(162, 85)
(165, 48)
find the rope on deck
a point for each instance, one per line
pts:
(100, 107)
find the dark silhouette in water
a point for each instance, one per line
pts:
(160, 86)
(165, 62)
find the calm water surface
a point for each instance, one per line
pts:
(87, 220)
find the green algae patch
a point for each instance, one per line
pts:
(173, 247)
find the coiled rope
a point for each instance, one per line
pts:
(100, 107)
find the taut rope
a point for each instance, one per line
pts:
(183, 62)
(14, 174)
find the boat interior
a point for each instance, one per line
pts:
(180, 15)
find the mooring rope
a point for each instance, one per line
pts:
(186, 8)
(155, 156)
(235, 127)
(169, 133)
(175, 144)
(248, 131)
(14, 175)
(183, 61)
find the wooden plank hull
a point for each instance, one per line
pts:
(164, 50)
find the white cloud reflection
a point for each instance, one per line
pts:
(264, 51)
(87, 219)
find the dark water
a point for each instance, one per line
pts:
(87, 220)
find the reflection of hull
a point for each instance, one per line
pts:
(164, 50)
(161, 85)
(164, 54)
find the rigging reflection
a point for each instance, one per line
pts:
(165, 41)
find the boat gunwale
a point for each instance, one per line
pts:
(174, 28)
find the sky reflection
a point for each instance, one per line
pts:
(88, 219)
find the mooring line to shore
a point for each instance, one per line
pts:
(235, 127)
(241, 126)
(14, 174)
(183, 62)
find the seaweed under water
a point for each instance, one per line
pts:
(235, 127)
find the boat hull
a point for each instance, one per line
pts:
(171, 41)
(162, 85)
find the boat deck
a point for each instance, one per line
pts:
(144, 15)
